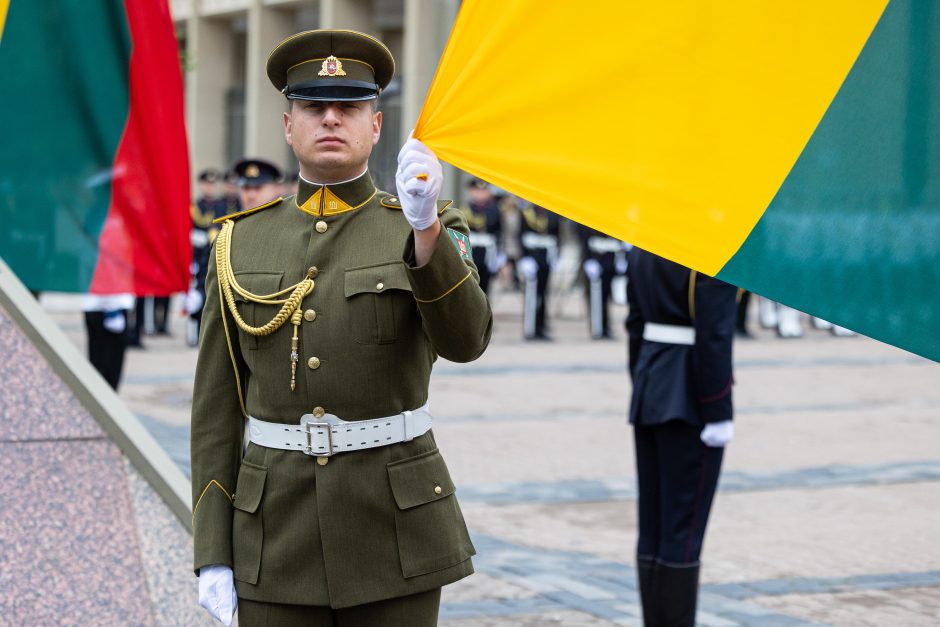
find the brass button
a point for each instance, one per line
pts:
(437, 489)
(310, 315)
(318, 412)
(321, 226)
(312, 271)
(323, 461)
(379, 286)
(313, 363)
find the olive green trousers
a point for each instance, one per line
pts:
(416, 610)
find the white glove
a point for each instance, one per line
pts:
(114, 321)
(528, 268)
(192, 301)
(217, 592)
(592, 268)
(718, 434)
(418, 196)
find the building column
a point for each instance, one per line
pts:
(264, 106)
(348, 14)
(427, 26)
(209, 54)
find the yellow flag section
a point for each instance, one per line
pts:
(4, 5)
(670, 125)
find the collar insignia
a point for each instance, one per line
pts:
(331, 67)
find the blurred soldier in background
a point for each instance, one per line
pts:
(604, 258)
(681, 328)
(538, 236)
(259, 182)
(209, 206)
(483, 217)
(510, 207)
(230, 193)
(106, 324)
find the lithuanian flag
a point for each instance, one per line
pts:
(791, 148)
(94, 173)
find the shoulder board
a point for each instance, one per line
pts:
(392, 202)
(245, 212)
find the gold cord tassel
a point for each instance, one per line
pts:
(294, 355)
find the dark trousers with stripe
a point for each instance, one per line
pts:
(416, 610)
(677, 476)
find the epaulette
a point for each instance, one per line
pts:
(392, 202)
(245, 212)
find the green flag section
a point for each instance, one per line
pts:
(94, 175)
(853, 234)
(721, 136)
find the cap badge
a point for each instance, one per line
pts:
(252, 171)
(331, 67)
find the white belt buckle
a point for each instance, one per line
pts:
(309, 428)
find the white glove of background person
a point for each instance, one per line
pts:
(528, 267)
(217, 592)
(418, 196)
(592, 268)
(718, 434)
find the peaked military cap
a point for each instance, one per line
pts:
(331, 65)
(256, 172)
(210, 175)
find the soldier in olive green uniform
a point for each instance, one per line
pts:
(325, 313)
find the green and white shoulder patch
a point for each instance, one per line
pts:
(461, 241)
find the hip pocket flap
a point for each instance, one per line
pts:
(419, 480)
(250, 487)
(376, 278)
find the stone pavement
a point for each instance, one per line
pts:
(828, 511)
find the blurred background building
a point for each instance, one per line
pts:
(233, 111)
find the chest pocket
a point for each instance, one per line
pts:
(380, 303)
(255, 314)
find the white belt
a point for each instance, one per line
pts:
(669, 334)
(535, 240)
(482, 240)
(328, 435)
(601, 245)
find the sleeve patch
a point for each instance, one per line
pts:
(461, 241)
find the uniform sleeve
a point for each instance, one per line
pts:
(715, 313)
(217, 431)
(456, 313)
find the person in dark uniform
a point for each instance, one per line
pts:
(538, 236)
(680, 327)
(259, 182)
(603, 256)
(230, 197)
(209, 206)
(324, 315)
(485, 222)
(106, 323)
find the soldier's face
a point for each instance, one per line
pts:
(332, 140)
(255, 195)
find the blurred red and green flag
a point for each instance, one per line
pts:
(94, 172)
(791, 148)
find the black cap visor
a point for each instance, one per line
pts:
(332, 90)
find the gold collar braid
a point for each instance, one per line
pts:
(290, 306)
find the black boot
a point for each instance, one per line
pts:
(677, 592)
(646, 579)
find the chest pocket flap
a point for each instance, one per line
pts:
(376, 278)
